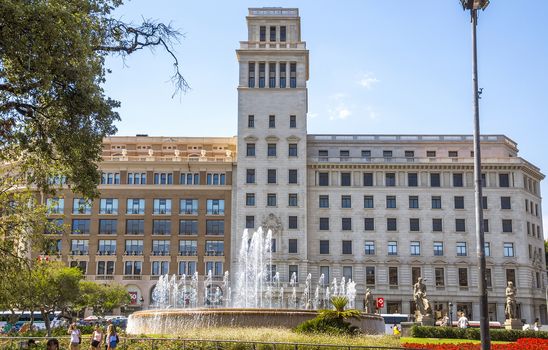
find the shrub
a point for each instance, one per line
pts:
(474, 333)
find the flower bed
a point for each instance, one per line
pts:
(520, 344)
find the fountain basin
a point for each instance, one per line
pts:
(176, 321)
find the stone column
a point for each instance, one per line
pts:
(277, 78)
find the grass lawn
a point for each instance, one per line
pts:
(443, 341)
(284, 335)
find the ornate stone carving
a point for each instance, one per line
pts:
(511, 301)
(369, 302)
(421, 302)
(273, 223)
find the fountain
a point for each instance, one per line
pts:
(254, 298)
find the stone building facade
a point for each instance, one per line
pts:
(379, 209)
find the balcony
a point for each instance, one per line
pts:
(132, 277)
(188, 253)
(214, 253)
(162, 211)
(79, 252)
(159, 253)
(136, 211)
(104, 277)
(216, 212)
(133, 252)
(189, 211)
(106, 252)
(108, 211)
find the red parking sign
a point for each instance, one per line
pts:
(380, 303)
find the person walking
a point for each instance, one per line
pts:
(463, 321)
(75, 337)
(112, 337)
(96, 338)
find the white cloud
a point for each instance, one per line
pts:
(368, 80)
(340, 112)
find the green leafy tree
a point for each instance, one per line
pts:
(102, 298)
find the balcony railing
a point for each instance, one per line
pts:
(214, 253)
(188, 252)
(106, 252)
(421, 160)
(133, 252)
(104, 277)
(132, 277)
(189, 211)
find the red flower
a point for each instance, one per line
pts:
(521, 344)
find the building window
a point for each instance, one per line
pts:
(366, 155)
(484, 202)
(414, 225)
(346, 201)
(188, 206)
(271, 200)
(80, 226)
(369, 248)
(391, 224)
(435, 180)
(387, 155)
(506, 225)
(215, 227)
(463, 277)
(294, 273)
(163, 178)
(324, 201)
(413, 202)
(135, 206)
(439, 276)
(511, 276)
(272, 33)
(461, 249)
(487, 249)
(108, 227)
(346, 224)
(324, 224)
(81, 206)
(292, 246)
(161, 227)
(368, 202)
(508, 249)
(485, 225)
(214, 248)
(505, 203)
(251, 77)
(344, 155)
(292, 176)
(324, 247)
(160, 268)
(261, 74)
(249, 221)
(215, 267)
(272, 75)
(390, 179)
(345, 179)
(107, 247)
(393, 276)
(391, 202)
(323, 179)
(262, 33)
(162, 206)
(459, 202)
(108, 206)
(324, 270)
(392, 248)
(250, 176)
(436, 202)
(105, 268)
(292, 200)
(133, 268)
(347, 247)
(251, 121)
(215, 207)
(271, 121)
(293, 75)
(283, 33)
(409, 155)
(292, 150)
(292, 222)
(504, 180)
(412, 179)
(457, 180)
(81, 265)
(292, 121)
(438, 248)
(110, 178)
(250, 150)
(368, 179)
(273, 245)
(347, 273)
(369, 224)
(323, 155)
(283, 75)
(216, 179)
(271, 176)
(79, 246)
(370, 275)
(188, 227)
(415, 248)
(430, 154)
(250, 199)
(187, 268)
(460, 225)
(136, 178)
(189, 179)
(160, 247)
(437, 225)
(54, 226)
(135, 227)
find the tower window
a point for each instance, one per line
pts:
(272, 75)
(261, 74)
(250, 121)
(272, 33)
(282, 75)
(251, 74)
(271, 121)
(292, 121)
(262, 33)
(283, 34)
(293, 75)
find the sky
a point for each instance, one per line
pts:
(376, 67)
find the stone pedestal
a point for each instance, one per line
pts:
(427, 320)
(513, 323)
(406, 328)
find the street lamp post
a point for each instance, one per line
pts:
(474, 6)
(450, 314)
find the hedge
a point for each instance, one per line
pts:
(474, 333)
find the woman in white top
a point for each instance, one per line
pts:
(463, 321)
(75, 337)
(96, 338)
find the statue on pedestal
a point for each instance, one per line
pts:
(421, 302)
(369, 302)
(511, 306)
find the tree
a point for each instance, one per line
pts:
(332, 321)
(102, 298)
(53, 110)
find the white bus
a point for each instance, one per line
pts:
(394, 319)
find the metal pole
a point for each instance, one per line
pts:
(484, 310)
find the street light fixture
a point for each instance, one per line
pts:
(474, 6)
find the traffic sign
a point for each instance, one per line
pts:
(380, 303)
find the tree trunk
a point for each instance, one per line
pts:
(45, 316)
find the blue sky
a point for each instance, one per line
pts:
(396, 67)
